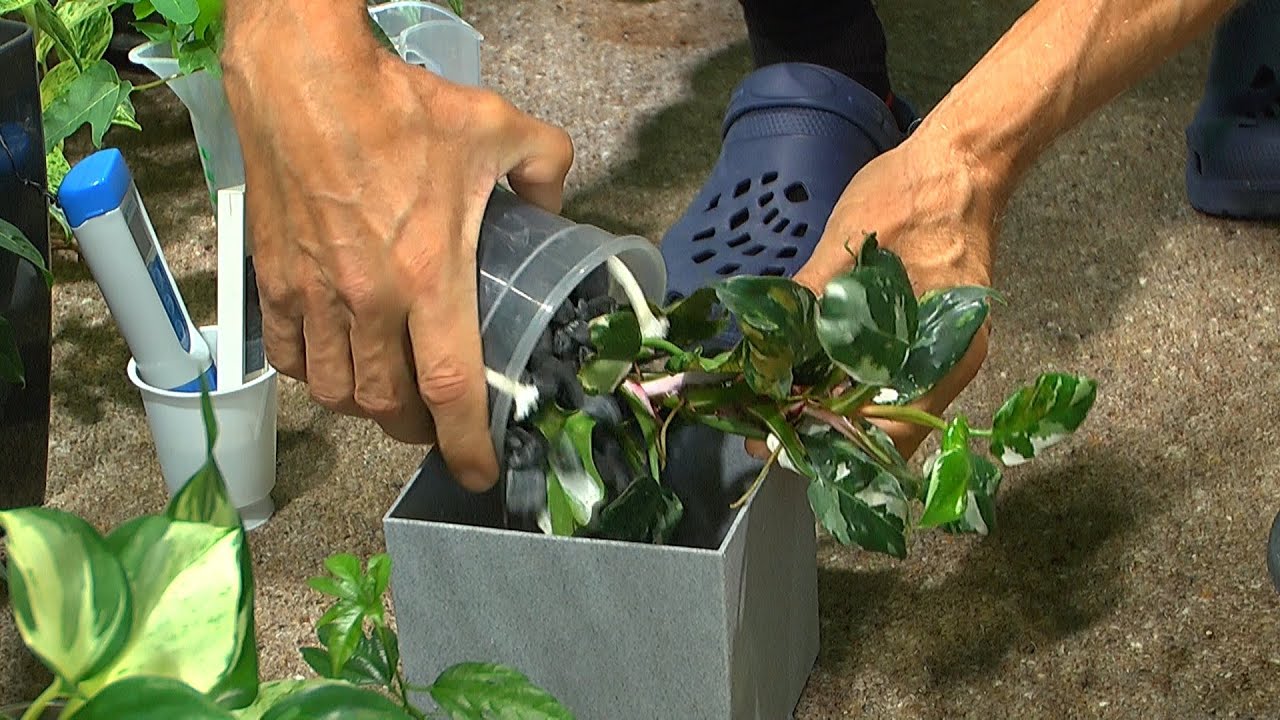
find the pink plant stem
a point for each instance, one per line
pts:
(659, 387)
(840, 423)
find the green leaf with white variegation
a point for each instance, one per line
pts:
(949, 320)
(645, 511)
(867, 322)
(187, 590)
(616, 336)
(70, 596)
(766, 374)
(89, 25)
(11, 368)
(583, 489)
(949, 477)
(335, 701)
(695, 319)
(775, 316)
(151, 698)
(852, 496)
(1041, 415)
(125, 115)
(273, 693)
(783, 434)
(13, 240)
(602, 377)
(980, 509)
(92, 97)
(480, 691)
(557, 518)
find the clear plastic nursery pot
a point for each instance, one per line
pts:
(211, 120)
(432, 37)
(529, 261)
(722, 622)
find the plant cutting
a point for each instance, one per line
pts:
(808, 375)
(155, 620)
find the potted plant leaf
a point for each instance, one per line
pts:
(635, 560)
(155, 620)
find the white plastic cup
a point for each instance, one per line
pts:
(246, 447)
(211, 121)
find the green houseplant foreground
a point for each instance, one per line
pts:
(155, 620)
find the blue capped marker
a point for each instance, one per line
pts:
(117, 240)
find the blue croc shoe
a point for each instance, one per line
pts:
(1233, 151)
(793, 136)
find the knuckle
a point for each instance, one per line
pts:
(445, 384)
(379, 405)
(332, 399)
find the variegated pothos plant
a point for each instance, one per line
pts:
(808, 376)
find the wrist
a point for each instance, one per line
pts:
(985, 166)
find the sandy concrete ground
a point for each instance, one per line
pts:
(1128, 578)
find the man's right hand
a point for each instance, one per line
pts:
(366, 180)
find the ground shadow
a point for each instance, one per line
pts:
(94, 356)
(1043, 575)
(309, 457)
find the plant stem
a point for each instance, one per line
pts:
(651, 326)
(905, 414)
(668, 384)
(980, 432)
(657, 343)
(662, 435)
(755, 485)
(856, 396)
(51, 693)
(155, 83)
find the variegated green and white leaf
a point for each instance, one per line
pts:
(949, 477)
(867, 323)
(187, 588)
(855, 499)
(949, 320)
(1040, 416)
(70, 596)
(980, 506)
(583, 488)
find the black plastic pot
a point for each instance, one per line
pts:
(25, 301)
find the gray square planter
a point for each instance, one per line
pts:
(721, 624)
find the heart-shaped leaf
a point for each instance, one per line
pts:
(616, 336)
(187, 590)
(775, 315)
(70, 596)
(949, 320)
(695, 319)
(980, 508)
(335, 701)
(646, 511)
(367, 665)
(950, 476)
(49, 23)
(602, 377)
(92, 97)
(478, 691)
(344, 626)
(178, 12)
(558, 517)
(1040, 416)
(867, 322)
(576, 471)
(151, 698)
(855, 499)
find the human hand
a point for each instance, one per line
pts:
(933, 209)
(367, 180)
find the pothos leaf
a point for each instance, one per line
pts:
(950, 475)
(1040, 416)
(151, 698)
(648, 425)
(49, 22)
(335, 701)
(980, 508)
(602, 377)
(616, 336)
(178, 12)
(576, 473)
(695, 319)
(646, 511)
(867, 322)
(56, 168)
(767, 374)
(787, 437)
(949, 319)
(862, 505)
(775, 315)
(92, 97)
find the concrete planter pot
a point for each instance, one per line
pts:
(722, 623)
(25, 300)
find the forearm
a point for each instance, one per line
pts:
(1059, 63)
